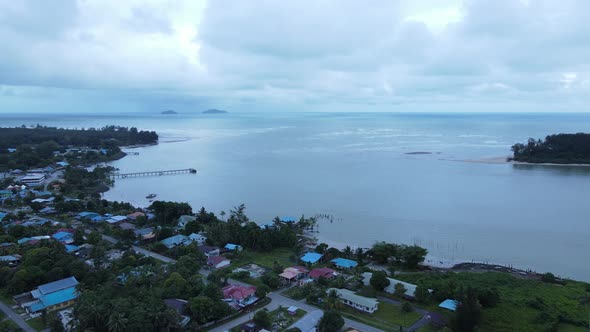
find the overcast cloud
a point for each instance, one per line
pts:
(408, 55)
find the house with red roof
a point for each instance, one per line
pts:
(239, 296)
(322, 272)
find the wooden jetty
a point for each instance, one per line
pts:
(118, 175)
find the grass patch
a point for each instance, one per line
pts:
(572, 328)
(36, 323)
(259, 304)
(282, 256)
(284, 319)
(525, 305)
(295, 293)
(388, 317)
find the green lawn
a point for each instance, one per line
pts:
(267, 259)
(388, 317)
(284, 319)
(572, 328)
(36, 323)
(525, 305)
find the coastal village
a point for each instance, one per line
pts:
(64, 252)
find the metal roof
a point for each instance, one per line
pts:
(345, 294)
(343, 262)
(58, 285)
(311, 257)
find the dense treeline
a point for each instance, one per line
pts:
(41, 146)
(43, 264)
(409, 256)
(91, 137)
(559, 149)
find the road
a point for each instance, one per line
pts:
(277, 299)
(16, 318)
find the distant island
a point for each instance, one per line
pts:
(557, 149)
(169, 112)
(214, 111)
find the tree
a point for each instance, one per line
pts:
(270, 279)
(407, 307)
(488, 297)
(331, 321)
(382, 251)
(332, 299)
(117, 322)
(400, 289)
(261, 291)
(94, 238)
(262, 318)
(413, 255)
(379, 280)
(468, 312)
(421, 294)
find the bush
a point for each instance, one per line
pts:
(407, 307)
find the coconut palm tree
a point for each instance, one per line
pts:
(117, 322)
(332, 299)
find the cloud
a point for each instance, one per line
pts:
(297, 55)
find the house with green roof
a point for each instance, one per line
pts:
(356, 301)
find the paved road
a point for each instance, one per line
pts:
(16, 318)
(277, 298)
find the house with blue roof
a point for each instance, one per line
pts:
(288, 220)
(6, 193)
(64, 237)
(87, 215)
(2, 215)
(344, 263)
(49, 297)
(70, 248)
(311, 257)
(175, 241)
(449, 304)
(233, 247)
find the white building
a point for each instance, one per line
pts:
(198, 238)
(410, 288)
(33, 179)
(358, 302)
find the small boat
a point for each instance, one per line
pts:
(150, 196)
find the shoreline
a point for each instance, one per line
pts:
(504, 160)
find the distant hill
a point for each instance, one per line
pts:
(214, 111)
(169, 112)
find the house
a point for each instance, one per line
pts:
(410, 288)
(198, 238)
(70, 248)
(47, 210)
(126, 226)
(176, 240)
(64, 237)
(116, 219)
(233, 247)
(288, 220)
(217, 262)
(209, 251)
(2, 215)
(239, 296)
(5, 193)
(49, 297)
(183, 220)
(87, 215)
(449, 304)
(358, 302)
(179, 306)
(135, 215)
(344, 263)
(293, 273)
(324, 272)
(145, 233)
(11, 260)
(292, 310)
(62, 164)
(34, 179)
(311, 257)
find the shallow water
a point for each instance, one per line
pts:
(354, 166)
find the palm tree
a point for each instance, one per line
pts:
(117, 322)
(222, 214)
(332, 299)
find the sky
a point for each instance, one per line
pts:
(316, 55)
